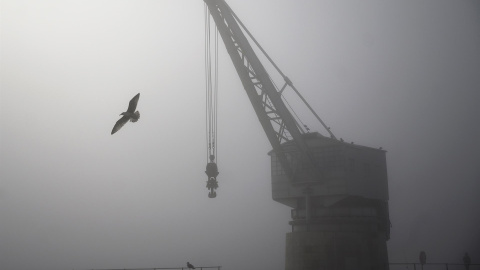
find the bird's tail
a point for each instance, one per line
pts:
(135, 117)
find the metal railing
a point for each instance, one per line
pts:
(434, 266)
(157, 268)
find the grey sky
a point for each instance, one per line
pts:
(403, 75)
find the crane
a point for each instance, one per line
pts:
(338, 190)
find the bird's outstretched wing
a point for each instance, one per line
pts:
(120, 123)
(132, 105)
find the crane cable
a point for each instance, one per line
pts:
(211, 100)
(211, 86)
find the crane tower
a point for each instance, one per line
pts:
(338, 191)
(341, 220)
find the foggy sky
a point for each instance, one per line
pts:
(401, 75)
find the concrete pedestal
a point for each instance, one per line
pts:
(335, 251)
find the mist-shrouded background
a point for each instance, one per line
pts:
(402, 75)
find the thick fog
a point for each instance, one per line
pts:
(402, 75)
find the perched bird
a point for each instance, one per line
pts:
(190, 266)
(130, 114)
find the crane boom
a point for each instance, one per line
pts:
(275, 118)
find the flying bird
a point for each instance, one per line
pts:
(190, 266)
(130, 114)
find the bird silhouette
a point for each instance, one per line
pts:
(190, 266)
(130, 114)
